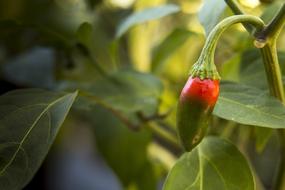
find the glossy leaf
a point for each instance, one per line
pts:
(214, 164)
(210, 14)
(172, 42)
(146, 15)
(250, 106)
(29, 122)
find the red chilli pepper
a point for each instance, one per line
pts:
(196, 103)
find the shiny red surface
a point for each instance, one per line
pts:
(206, 90)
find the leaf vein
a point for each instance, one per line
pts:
(28, 132)
(251, 108)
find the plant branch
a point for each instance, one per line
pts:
(124, 119)
(153, 126)
(169, 137)
(272, 69)
(274, 78)
(162, 155)
(270, 58)
(276, 24)
(155, 116)
(234, 6)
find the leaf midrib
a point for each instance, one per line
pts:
(251, 108)
(200, 173)
(29, 131)
(214, 166)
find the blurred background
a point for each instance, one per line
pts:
(129, 85)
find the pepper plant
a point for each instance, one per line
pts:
(168, 103)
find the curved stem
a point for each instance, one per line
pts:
(215, 34)
(205, 67)
(238, 11)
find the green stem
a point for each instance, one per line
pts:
(270, 58)
(273, 29)
(205, 67)
(153, 126)
(169, 137)
(123, 118)
(238, 11)
(272, 69)
(274, 78)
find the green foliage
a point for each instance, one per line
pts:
(121, 96)
(231, 69)
(252, 69)
(249, 106)
(210, 17)
(146, 15)
(125, 91)
(165, 49)
(125, 150)
(30, 120)
(211, 165)
(127, 83)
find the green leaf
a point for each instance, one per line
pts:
(147, 178)
(250, 106)
(210, 14)
(123, 149)
(165, 49)
(270, 11)
(126, 91)
(49, 16)
(146, 15)
(252, 69)
(97, 43)
(29, 122)
(231, 69)
(214, 164)
(84, 34)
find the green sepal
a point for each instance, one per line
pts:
(205, 67)
(205, 71)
